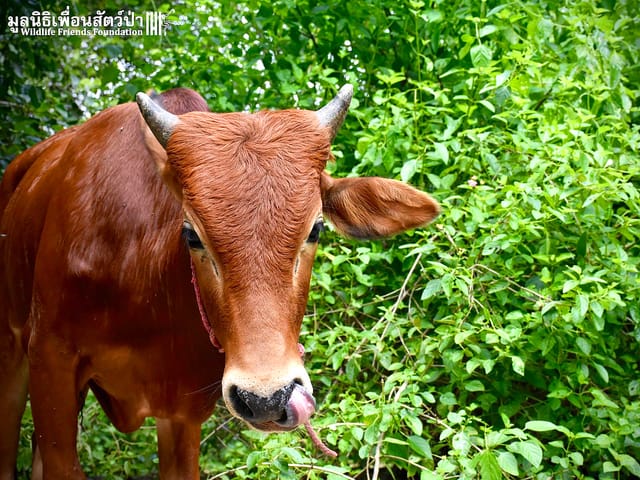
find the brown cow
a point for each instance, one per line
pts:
(103, 227)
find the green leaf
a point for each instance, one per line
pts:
(608, 467)
(576, 458)
(293, 454)
(528, 450)
(390, 77)
(591, 199)
(455, 418)
(546, 426)
(480, 56)
(474, 386)
(110, 74)
(494, 438)
(252, 459)
(604, 374)
(434, 179)
(489, 467)
(630, 463)
(488, 105)
(433, 16)
(414, 423)
(502, 78)
(335, 472)
(441, 152)
(596, 308)
(461, 442)
(598, 323)
(582, 304)
(487, 30)
(429, 475)
(408, 170)
(517, 364)
(584, 345)
(600, 399)
(421, 446)
(508, 463)
(36, 94)
(540, 426)
(433, 288)
(570, 285)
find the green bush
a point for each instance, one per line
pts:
(503, 341)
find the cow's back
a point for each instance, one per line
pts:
(61, 199)
(25, 192)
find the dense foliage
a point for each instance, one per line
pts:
(502, 341)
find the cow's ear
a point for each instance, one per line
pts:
(372, 207)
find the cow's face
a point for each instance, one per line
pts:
(254, 193)
(253, 213)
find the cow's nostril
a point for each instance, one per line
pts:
(284, 419)
(239, 404)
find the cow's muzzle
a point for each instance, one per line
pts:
(284, 410)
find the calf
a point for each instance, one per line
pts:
(162, 260)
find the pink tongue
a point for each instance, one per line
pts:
(319, 443)
(301, 404)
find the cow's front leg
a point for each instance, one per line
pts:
(178, 449)
(13, 397)
(55, 404)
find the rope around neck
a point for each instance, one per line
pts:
(203, 313)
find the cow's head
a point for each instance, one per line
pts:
(254, 194)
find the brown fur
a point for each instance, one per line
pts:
(253, 183)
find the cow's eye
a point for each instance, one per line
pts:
(317, 229)
(191, 237)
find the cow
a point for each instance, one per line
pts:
(160, 255)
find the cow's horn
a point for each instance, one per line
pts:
(159, 120)
(333, 113)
